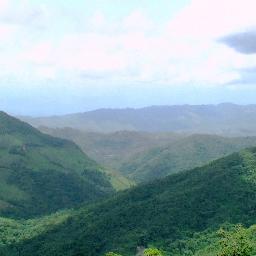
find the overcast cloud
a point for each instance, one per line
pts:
(119, 46)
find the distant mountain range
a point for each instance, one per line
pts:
(224, 119)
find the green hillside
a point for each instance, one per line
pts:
(211, 243)
(182, 154)
(142, 156)
(40, 174)
(172, 214)
(113, 149)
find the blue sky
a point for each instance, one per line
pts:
(60, 57)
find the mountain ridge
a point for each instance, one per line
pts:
(162, 213)
(143, 156)
(40, 174)
(183, 154)
(219, 119)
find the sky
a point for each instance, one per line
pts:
(60, 57)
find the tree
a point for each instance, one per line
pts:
(112, 254)
(153, 252)
(235, 243)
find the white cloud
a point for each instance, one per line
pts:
(184, 50)
(137, 21)
(97, 20)
(3, 5)
(6, 32)
(213, 18)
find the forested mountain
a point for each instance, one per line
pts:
(183, 154)
(143, 156)
(113, 149)
(179, 214)
(225, 119)
(40, 174)
(127, 128)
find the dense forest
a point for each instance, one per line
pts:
(143, 156)
(178, 214)
(55, 200)
(41, 174)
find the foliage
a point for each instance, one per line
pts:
(147, 252)
(153, 252)
(171, 214)
(112, 254)
(143, 156)
(40, 174)
(182, 154)
(235, 243)
(178, 214)
(113, 149)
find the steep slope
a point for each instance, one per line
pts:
(142, 156)
(40, 174)
(186, 153)
(224, 119)
(160, 213)
(112, 149)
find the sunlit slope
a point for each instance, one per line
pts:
(112, 149)
(40, 174)
(142, 156)
(183, 154)
(161, 213)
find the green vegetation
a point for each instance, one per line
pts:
(142, 157)
(179, 215)
(226, 241)
(40, 174)
(190, 213)
(235, 243)
(146, 252)
(153, 252)
(183, 154)
(231, 241)
(112, 254)
(113, 149)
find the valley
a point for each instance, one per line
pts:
(143, 156)
(190, 206)
(127, 128)
(177, 190)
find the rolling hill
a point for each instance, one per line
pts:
(113, 149)
(223, 119)
(178, 212)
(40, 174)
(183, 154)
(143, 156)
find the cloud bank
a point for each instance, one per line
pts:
(203, 44)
